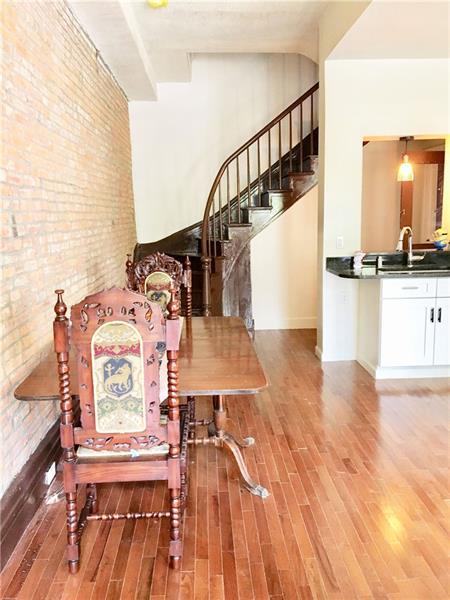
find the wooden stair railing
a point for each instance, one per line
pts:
(228, 199)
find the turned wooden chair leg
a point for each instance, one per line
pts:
(175, 535)
(91, 493)
(174, 474)
(73, 548)
(61, 342)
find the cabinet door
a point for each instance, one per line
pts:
(443, 287)
(407, 332)
(442, 332)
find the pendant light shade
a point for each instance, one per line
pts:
(405, 170)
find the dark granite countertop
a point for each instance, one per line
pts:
(434, 264)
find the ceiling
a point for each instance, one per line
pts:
(408, 29)
(144, 46)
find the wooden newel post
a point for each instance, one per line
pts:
(172, 339)
(206, 266)
(61, 341)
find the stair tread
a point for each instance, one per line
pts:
(300, 173)
(258, 208)
(239, 224)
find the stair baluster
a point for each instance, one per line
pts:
(280, 169)
(290, 142)
(301, 138)
(228, 196)
(214, 227)
(220, 210)
(259, 174)
(238, 185)
(248, 177)
(270, 161)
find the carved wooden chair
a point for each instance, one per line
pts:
(122, 436)
(153, 276)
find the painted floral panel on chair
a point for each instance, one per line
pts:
(157, 287)
(118, 373)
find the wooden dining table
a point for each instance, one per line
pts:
(216, 358)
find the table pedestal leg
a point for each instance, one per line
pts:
(217, 430)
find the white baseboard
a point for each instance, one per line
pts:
(292, 323)
(324, 357)
(367, 366)
(405, 372)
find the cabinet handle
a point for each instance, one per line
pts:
(432, 315)
(410, 287)
(439, 315)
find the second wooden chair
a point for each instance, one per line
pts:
(154, 275)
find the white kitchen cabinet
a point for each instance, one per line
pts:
(407, 332)
(443, 287)
(442, 332)
(404, 327)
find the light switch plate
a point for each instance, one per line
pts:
(339, 242)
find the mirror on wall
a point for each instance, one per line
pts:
(388, 205)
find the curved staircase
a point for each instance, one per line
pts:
(255, 185)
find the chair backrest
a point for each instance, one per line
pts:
(115, 334)
(153, 276)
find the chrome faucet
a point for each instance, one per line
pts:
(399, 248)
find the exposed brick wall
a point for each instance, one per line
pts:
(67, 200)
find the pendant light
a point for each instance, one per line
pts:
(405, 170)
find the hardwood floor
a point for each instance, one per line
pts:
(358, 475)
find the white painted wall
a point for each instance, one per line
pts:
(338, 18)
(180, 141)
(284, 269)
(365, 98)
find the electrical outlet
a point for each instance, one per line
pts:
(50, 474)
(339, 242)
